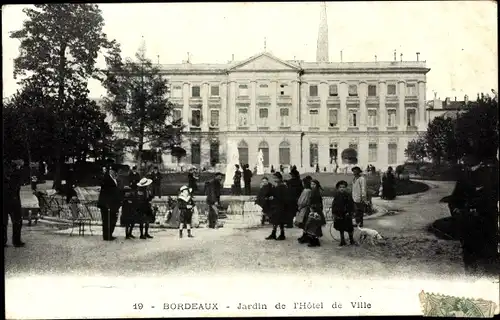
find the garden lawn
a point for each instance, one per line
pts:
(173, 181)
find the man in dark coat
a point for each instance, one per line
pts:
(278, 207)
(295, 188)
(237, 181)
(12, 182)
(110, 199)
(156, 177)
(133, 178)
(247, 179)
(474, 204)
(212, 191)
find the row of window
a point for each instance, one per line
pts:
(314, 118)
(284, 153)
(263, 90)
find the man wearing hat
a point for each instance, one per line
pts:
(12, 181)
(359, 195)
(110, 200)
(212, 191)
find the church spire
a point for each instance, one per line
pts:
(322, 49)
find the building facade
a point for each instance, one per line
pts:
(298, 113)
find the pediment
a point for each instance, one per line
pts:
(263, 62)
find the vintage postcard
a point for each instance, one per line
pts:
(250, 159)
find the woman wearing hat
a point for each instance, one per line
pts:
(278, 208)
(128, 216)
(317, 203)
(185, 205)
(145, 212)
(303, 208)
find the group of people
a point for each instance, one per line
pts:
(134, 199)
(245, 174)
(300, 202)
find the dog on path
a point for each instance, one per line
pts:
(370, 234)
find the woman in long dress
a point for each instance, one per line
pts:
(303, 208)
(317, 203)
(388, 185)
(263, 198)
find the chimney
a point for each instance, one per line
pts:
(455, 98)
(466, 99)
(394, 54)
(401, 56)
(418, 54)
(375, 58)
(447, 101)
(232, 57)
(341, 56)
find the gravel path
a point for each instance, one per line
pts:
(408, 250)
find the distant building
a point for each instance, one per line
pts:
(447, 108)
(298, 113)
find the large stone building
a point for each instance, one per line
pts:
(299, 113)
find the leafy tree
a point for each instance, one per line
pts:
(138, 100)
(59, 47)
(416, 149)
(440, 143)
(476, 130)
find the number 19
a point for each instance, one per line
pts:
(138, 306)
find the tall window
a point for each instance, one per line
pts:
(393, 153)
(195, 153)
(372, 117)
(214, 153)
(372, 90)
(353, 118)
(411, 90)
(314, 118)
(391, 89)
(177, 92)
(243, 152)
(195, 91)
(333, 90)
(313, 154)
(334, 152)
(214, 90)
(333, 117)
(284, 90)
(263, 90)
(284, 153)
(242, 117)
(313, 90)
(177, 114)
(243, 90)
(196, 118)
(391, 117)
(265, 152)
(353, 90)
(263, 116)
(372, 152)
(214, 118)
(284, 117)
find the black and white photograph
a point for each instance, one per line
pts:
(241, 159)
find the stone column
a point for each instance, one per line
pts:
(382, 123)
(401, 108)
(231, 107)
(363, 92)
(422, 125)
(343, 90)
(363, 152)
(253, 109)
(205, 88)
(273, 110)
(383, 153)
(224, 108)
(303, 106)
(323, 113)
(185, 106)
(294, 112)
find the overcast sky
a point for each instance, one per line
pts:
(457, 39)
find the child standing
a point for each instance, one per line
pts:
(185, 205)
(129, 211)
(342, 209)
(313, 226)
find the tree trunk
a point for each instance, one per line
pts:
(58, 165)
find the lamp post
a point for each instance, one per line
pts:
(302, 134)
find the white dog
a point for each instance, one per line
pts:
(371, 234)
